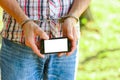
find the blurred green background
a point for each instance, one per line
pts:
(100, 42)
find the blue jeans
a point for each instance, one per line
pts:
(18, 62)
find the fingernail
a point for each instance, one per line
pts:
(60, 55)
(68, 54)
(43, 56)
(71, 36)
(46, 36)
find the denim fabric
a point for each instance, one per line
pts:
(18, 62)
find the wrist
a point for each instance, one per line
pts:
(24, 22)
(74, 18)
(70, 20)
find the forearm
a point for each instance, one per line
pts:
(13, 8)
(78, 7)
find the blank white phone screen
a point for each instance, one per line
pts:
(56, 45)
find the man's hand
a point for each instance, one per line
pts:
(31, 30)
(69, 30)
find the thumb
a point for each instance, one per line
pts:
(70, 36)
(41, 33)
(70, 33)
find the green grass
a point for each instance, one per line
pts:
(102, 47)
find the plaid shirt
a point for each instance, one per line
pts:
(37, 10)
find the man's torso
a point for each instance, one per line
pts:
(36, 10)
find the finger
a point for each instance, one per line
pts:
(64, 31)
(60, 54)
(73, 47)
(41, 33)
(73, 42)
(36, 51)
(75, 33)
(32, 45)
(70, 33)
(38, 44)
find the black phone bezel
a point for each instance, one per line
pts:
(42, 50)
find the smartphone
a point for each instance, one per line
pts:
(55, 45)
